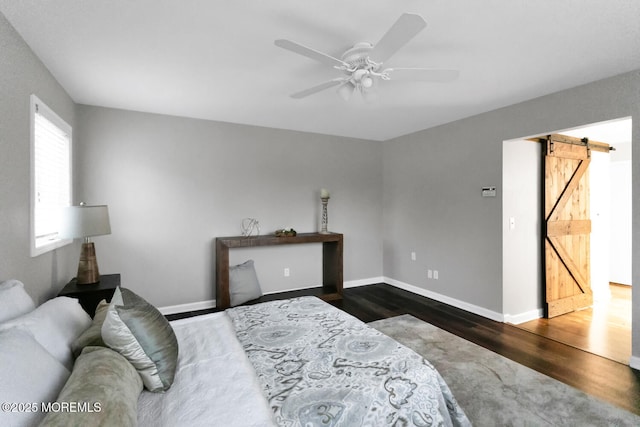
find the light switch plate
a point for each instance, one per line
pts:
(488, 191)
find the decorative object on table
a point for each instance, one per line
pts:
(250, 227)
(286, 232)
(324, 196)
(86, 221)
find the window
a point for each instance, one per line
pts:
(50, 176)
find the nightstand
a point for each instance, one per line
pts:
(90, 295)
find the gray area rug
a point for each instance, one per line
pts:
(496, 391)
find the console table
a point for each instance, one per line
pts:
(331, 260)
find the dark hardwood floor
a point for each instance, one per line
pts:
(605, 379)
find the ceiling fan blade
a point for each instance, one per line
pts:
(318, 88)
(308, 52)
(404, 29)
(422, 74)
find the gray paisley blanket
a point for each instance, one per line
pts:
(319, 366)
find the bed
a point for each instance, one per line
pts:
(293, 362)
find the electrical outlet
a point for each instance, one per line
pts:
(413, 256)
(287, 272)
(429, 274)
(435, 274)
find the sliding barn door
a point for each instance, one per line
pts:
(568, 227)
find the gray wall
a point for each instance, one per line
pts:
(522, 274)
(174, 184)
(22, 74)
(434, 207)
(433, 178)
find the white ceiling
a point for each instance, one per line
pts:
(215, 59)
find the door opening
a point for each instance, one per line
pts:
(521, 304)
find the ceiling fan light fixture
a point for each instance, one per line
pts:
(346, 91)
(366, 82)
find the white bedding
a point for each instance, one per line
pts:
(215, 385)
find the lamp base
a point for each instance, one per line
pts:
(88, 266)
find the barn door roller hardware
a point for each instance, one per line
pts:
(583, 142)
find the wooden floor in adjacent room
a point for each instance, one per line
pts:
(603, 378)
(604, 329)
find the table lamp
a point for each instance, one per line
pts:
(86, 221)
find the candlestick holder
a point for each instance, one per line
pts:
(325, 216)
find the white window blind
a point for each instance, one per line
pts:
(51, 176)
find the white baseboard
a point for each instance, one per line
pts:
(516, 319)
(183, 308)
(481, 311)
(634, 362)
(204, 305)
(290, 289)
(363, 282)
(347, 284)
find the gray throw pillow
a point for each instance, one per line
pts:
(138, 331)
(105, 388)
(243, 283)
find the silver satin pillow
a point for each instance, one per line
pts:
(138, 331)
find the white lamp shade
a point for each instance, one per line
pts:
(85, 221)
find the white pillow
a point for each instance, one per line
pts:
(55, 325)
(30, 375)
(14, 300)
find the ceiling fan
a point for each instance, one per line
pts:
(362, 65)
